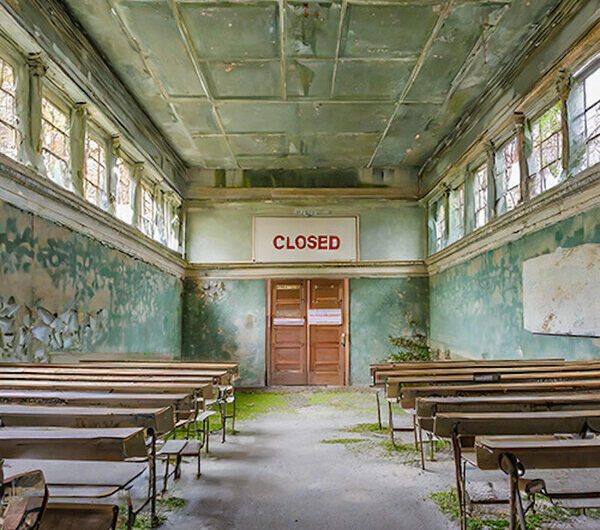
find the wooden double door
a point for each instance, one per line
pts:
(308, 331)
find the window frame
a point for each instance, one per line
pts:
(63, 105)
(481, 168)
(539, 174)
(147, 224)
(96, 133)
(8, 59)
(128, 161)
(512, 138)
(592, 69)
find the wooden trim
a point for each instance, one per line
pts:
(347, 331)
(268, 335)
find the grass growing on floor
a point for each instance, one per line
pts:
(447, 502)
(340, 399)
(344, 441)
(367, 428)
(144, 522)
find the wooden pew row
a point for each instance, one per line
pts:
(470, 373)
(233, 367)
(460, 426)
(515, 456)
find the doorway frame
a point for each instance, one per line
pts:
(346, 319)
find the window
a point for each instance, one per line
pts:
(55, 143)
(124, 207)
(94, 175)
(480, 183)
(173, 226)
(440, 225)
(545, 161)
(508, 176)
(591, 94)
(159, 218)
(456, 214)
(8, 110)
(147, 211)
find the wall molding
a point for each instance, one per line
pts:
(23, 188)
(575, 195)
(254, 271)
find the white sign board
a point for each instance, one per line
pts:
(561, 292)
(305, 239)
(288, 321)
(325, 317)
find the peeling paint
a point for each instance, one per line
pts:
(477, 306)
(60, 290)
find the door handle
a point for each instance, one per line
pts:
(344, 340)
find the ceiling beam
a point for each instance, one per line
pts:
(338, 46)
(413, 75)
(187, 41)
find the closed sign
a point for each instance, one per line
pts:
(300, 239)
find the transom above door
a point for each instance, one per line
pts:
(308, 332)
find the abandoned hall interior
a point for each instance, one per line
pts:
(273, 264)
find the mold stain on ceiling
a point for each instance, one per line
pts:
(291, 85)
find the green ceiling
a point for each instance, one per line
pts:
(292, 85)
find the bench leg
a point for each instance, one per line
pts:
(378, 410)
(153, 517)
(166, 477)
(415, 431)
(459, 481)
(115, 519)
(421, 449)
(233, 415)
(224, 420)
(177, 475)
(391, 423)
(199, 470)
(206, 433)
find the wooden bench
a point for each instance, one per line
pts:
(515, 455)
(459, 426)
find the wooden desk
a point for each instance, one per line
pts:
(160, 421)
(72, 444)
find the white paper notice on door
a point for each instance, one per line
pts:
(284, 321)
(325, 317)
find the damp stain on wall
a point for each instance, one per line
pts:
(380, 308)
(60, 290)
(226, 320)
(477, 306)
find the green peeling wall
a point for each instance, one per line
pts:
(380, 308)
(227, 320)
(60, 290)
(477, 306)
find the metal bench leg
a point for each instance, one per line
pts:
(177, 475)
(421, 449)
(199, 470)
(234, 413)
(224, 419)
(391, 423)
(415, 431)
(153, 516)
(166, 477)
(378, 410)
(459, 481)
(206, 433)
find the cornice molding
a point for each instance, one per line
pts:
(25, 189)
(255, 271)
(575, 195)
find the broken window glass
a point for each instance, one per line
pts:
(94, 176)
(440, 225)
(544, 163)
(508, 176)
(147, 211)
(124, 207)
(591, 89)
(8, 110)
(457, 214)
(480, 183)
(55, 143)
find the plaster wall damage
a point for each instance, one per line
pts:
(60, 290)
(477, 306)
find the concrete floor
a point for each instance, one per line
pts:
(277, 474)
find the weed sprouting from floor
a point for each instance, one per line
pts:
(144, 522)
(367, 428)
(545, 516)
(344, 441)
(172, 503)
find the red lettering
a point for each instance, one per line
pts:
(276, 244)
(334, 242)
(312, 242)
(322, 242)
(300, 242)
(288, 243)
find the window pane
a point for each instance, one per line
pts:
(592, 89)
(94, 178)
(594, 151)
(8, 111)
(55, 143)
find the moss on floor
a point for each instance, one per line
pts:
(144, 522)
(344, 441)
(546, 515)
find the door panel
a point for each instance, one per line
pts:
(288, 333)
(326, 321)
